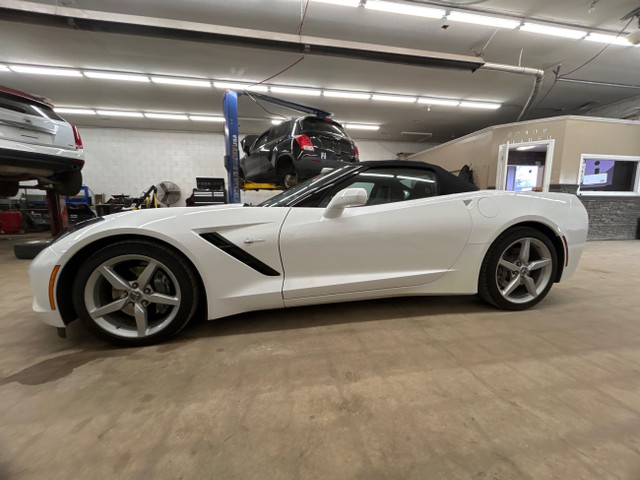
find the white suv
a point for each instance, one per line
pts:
(35, 143)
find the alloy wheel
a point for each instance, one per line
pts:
(132, 296)
(524, 270)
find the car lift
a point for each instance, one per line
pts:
(232, 141)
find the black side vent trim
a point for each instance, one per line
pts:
(239, 254)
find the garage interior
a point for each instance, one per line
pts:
(414, 387)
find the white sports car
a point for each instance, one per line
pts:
(370, 230)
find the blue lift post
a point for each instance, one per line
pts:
(231, 134)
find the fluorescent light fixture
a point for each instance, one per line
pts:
(602, 38)
(354, 95)
(439, 101)
(119, 113)
(181, 81)
(554, 31)
(276, 122)
(361, 126)
(485, 105)
(241, 86)
(342, 3)
(61, 72)
(405, 9)
(394, 98)
(483, 20)
(297, 91)
(75, 111)
(527, 147)
(4, 68)
(205, 118)
(166, 116)
(126, 77)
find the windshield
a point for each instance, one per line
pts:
(289, 196)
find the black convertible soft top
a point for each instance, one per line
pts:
(448, 182)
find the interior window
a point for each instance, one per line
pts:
(608, 175)
(388, 185)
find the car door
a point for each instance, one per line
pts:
(405, 236)
(254, 162)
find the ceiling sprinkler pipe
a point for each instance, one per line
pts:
(537, 83)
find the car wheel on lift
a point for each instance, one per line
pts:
(286, 173)
(69, 183)
(29, 250)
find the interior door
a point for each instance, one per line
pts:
(379, 246)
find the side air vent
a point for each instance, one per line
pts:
(239, 254)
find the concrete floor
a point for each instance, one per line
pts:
(423, 388)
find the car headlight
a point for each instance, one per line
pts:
(76, 227)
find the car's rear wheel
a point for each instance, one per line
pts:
(518, 270)
(286, 173)
(135, 293)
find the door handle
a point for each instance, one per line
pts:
(249, 241)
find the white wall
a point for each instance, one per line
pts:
(123, 161)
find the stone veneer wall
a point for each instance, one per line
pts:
(610, 218)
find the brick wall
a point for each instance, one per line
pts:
(610, 218)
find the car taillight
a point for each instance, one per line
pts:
(356, 153)
(304, 142)
(76, 137)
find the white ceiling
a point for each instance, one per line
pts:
(37, 44)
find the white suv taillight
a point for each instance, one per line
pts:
(76, 137)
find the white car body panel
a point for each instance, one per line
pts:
(419, 247)
(379, 249)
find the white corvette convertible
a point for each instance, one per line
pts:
(370, 230)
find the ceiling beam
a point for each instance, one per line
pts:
(89, 20)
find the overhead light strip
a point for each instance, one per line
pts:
(124, 77)
(228, 84)
(36, 70)
(181, 81)
(184, 116)
(405, 9)
(398, 7)
(485, 20)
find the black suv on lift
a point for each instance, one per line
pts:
(296, 149)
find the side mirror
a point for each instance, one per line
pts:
(349, 197)
(247, 142)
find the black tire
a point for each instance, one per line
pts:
(286, 174)
(117, 327)
(29, 250)
(493, 274)
(70, 183)
(9, 189)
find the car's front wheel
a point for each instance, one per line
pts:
(135, 292)
(518, 270)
